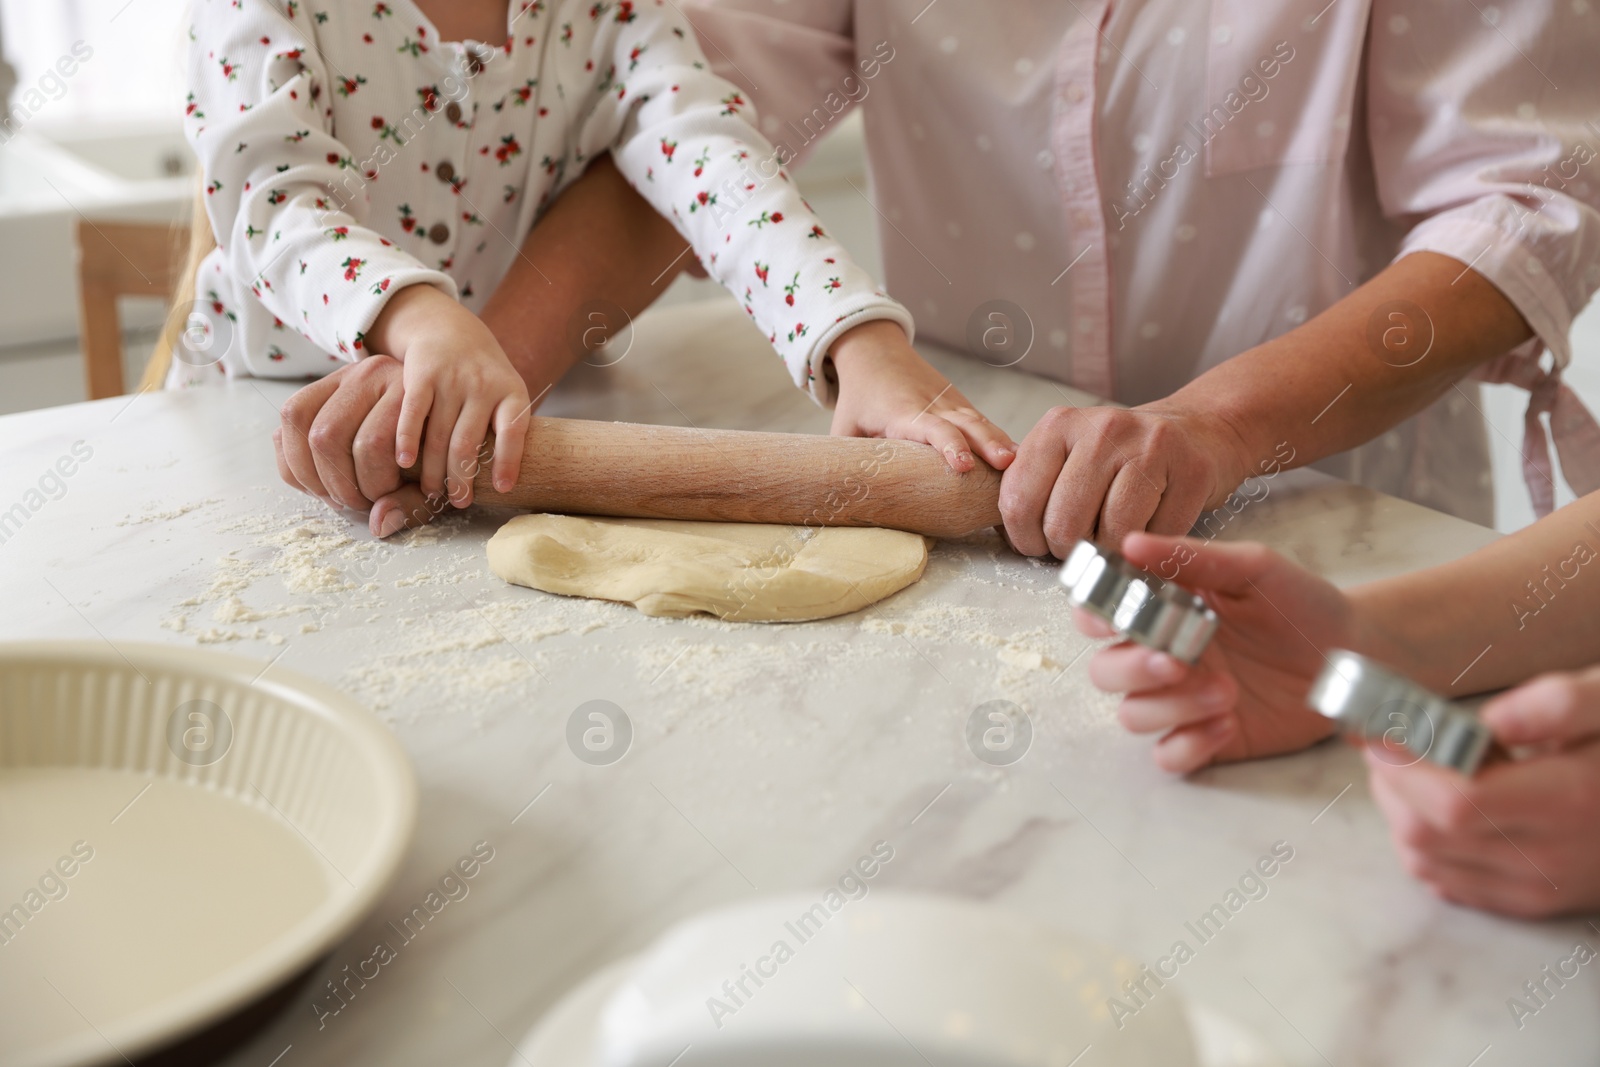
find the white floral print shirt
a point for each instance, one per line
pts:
(347, 152)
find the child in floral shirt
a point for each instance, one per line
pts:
(369, 185)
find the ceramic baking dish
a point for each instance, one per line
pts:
(181, 833)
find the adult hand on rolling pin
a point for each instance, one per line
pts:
(336, 442)
(1100, 473)
(1246, 697)
(887, 390)
(1520, 836)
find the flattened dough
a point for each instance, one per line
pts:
(742, 572)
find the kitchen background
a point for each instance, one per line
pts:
(105, 143)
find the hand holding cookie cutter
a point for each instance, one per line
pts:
(1370, 701)
(1141, 606)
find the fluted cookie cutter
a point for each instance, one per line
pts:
(1371, 702)
(1139, 605)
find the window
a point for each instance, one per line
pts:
(126, 58)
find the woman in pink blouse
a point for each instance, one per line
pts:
(1266, 227)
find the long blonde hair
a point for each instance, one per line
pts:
(201, 242)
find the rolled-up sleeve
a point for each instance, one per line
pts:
(1485, 140)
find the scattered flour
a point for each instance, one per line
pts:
(304, 562)
(167, 515)
(308, 553)
(235, 610)
(1017, 653)
(426, 630)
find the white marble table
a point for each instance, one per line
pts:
(764, 759)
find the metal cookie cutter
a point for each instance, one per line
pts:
(1370, 701)
(1140, 605)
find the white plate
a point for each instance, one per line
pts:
(180, 833)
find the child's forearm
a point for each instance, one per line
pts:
(1527, 603)
(405, 314)
(688, 141)
(600, 245)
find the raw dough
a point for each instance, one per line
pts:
(742, 572)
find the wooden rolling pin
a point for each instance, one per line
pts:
(632, 471)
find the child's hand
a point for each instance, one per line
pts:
(887, 390)
(1246, 698)
(1518, 837)
(457, 382)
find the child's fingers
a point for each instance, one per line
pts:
(510, 433)
(413, 416)
(988, 440)
(1088, 623)
(1552, 707)
(1522, 896)
(1412, 832)
(1467, 808)
(1197, 699)
(466, 442)
(1189, 748)
(936, 431)
(436, 444)
(1133, 668)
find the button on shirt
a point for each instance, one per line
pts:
(1162, 185)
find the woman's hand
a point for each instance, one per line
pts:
(336, 442)
(887, 390)
(1521, 837)
(1102, 473)
(1247, 695)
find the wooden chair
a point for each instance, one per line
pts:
(121, 259)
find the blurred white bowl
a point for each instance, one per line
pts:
(888, 980)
